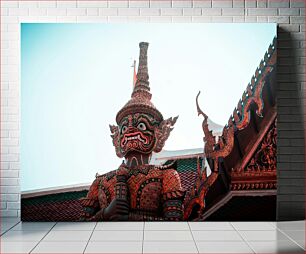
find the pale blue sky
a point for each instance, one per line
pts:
(75, 78)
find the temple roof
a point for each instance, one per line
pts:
(248, 165)
(165, 155)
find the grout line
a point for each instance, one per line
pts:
(290, 238)
(90, 237)
(143, 231)
(42, 238)
(243, 238)
(10, 228)
(193, 237)
(116, 230)
(232, 226)
(273, 225)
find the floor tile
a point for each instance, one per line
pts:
(33, 226)
(273, 223)
(223, 247)
(124, 225)
(60, 247)
(296, 235)
(301, 243)
(69, 226)
(17, 247)
(23, 236)
(253, 226)
(69, 236)
(276, 247)
(5, 226)
(114, 247)
(9, 220)
(169, 247)
(166, 225)
(273, 235)
(107, 236)
(168, 236)
(221, 226)
(216, 236)
(291, 225)
(8, 224)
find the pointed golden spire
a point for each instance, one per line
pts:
(142, 87)
(140, 101)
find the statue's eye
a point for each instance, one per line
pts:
(123, 129)
(141, 126)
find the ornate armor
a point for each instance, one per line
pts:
(154, 193)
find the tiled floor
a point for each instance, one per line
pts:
(152, 237)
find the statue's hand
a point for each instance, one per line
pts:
(118, 209)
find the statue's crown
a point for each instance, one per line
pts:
(140, 101)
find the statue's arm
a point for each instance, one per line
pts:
(173, 209)
(173, 196)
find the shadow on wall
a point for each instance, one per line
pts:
(290, 127)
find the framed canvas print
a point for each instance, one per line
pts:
(148, 122)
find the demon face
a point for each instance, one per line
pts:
(141, 133)
(137, 133)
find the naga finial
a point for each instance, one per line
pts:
(209, 138)
(200, 112)
(214, 149)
